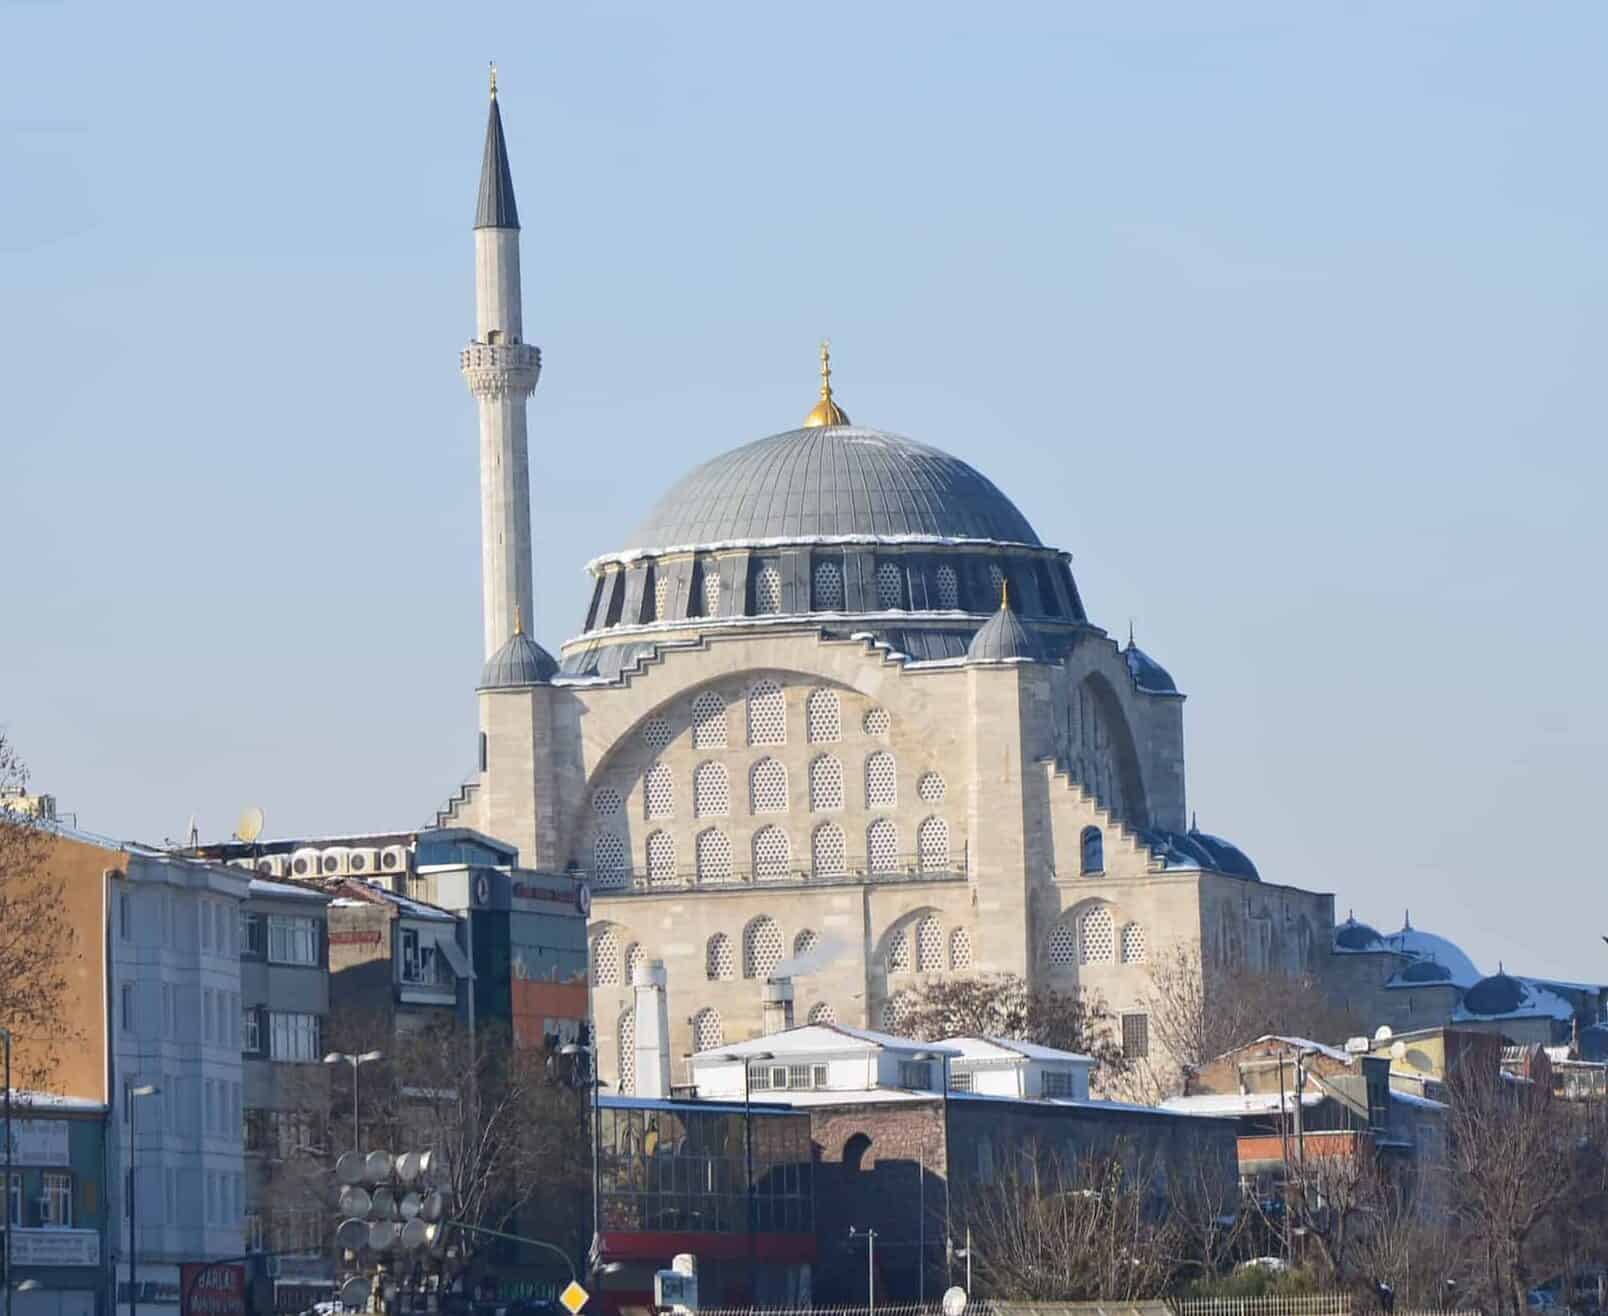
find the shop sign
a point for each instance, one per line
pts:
(56, 1247)
(38, 1142)
(212, 1290)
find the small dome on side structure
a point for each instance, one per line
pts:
(1004, 639)
(521, 661)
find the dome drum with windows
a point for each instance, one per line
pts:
(845, 528)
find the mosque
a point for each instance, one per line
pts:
(836, 713)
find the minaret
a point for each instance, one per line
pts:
(501, 369)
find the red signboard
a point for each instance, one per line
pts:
(212, 1290)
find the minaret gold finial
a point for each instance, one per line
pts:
(494, 79)
(826, 411)
(1005, 595)
(519, 624)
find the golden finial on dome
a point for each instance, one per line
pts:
(494, 79)
(826, 411)
(1005, 596)
(519, 624)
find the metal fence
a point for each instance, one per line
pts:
(854, 870)
(1274, 1304)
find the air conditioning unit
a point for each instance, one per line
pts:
(394, 859)
(249, 864)
(333, 861)
(274, 865)
(362, 861)
(304, 863)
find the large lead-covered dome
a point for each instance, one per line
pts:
(832, 481)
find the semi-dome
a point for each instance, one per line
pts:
(831, 481)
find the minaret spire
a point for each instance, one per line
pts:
(501, 369)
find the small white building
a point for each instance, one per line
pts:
(1003, 1067)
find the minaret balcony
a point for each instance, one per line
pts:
(500, 369)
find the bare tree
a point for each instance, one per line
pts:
(38, 945)
(1006, 1005)
(1205, 1211)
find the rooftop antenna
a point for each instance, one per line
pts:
(1130, 632)
(249, 828)
(192, 834)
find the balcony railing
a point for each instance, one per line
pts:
(853, 871)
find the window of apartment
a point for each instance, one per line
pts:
(205, 911)
(915, 1074)
(758, 1078)
(212, 1197)
(422, 963)
(14, 1200)
(170, 1196)
(293, 1036)
(233, 1017)
(292, 939)
(253, 1231)
(1057, 1084)
(125, 916)
(206, 1014)
(1136, 1036)
(56, 1201)
(253, 936)
(959, 1082)
(251, 1032)
(126, 997)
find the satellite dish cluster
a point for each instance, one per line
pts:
(389, 1208)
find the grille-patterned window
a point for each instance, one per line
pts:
(713, 856)
(1133, 943)
(898, 953)
(661, 593)
(1096, 937)
(767, 714)
(606, 801)
(806, 942)
(826, 783)
(661, 857)
(881, 781)
(762, 947)
(932, 845)
(828, 586)
(895, 1014)
(929, 945)
(709, 721)
(930, 788)
(709, 588)
(996, 582)
(767, 589)
(960, 949)
(877, 722)
(771, 853)
(658, 792)
(948, 588)
(711, 791)
(828, 853)
(1136, 1036)
(823, 717)
(890, 585)
(626, 1034)
(1062, 947)
(767, 787)
(608, 859)
(822, 1013)
(706, 1030)
(633, 958)
(719, 962)
(656, 733)
(882, 846)
(606, 959)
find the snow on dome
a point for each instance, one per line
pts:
(1502, 996)
(1428, 946)
(1352, 935)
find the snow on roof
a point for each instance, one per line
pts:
(1009, 1049)
(262, 887)
(24, 1098)
(1307, 1044)
(1428, 946)
(1238, 1103)
(378, 895)
(1538, 1001)
(822, 1038)
(1413, 1099)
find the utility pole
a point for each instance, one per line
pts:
(134, 1094)
(5, 1035)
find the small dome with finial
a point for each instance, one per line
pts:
(1003, 638)
(520, 661)
(826, 411)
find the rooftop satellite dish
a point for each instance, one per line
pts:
(349, 1168)
(1398, 1050)
(954, 1301)
(249, 828)
(1383, 1033)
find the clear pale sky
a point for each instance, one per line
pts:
(1286, 320)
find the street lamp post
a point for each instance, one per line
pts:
(335, 1058)
(5, 1036)
(143, 1090)
(748, 1161)
(595, 1083)
(943, 1058)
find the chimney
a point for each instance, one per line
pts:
(778, 1005)
(652, 1030)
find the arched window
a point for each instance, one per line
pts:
(882, 846)
(1061, 947)
(930, 789)
(826, 783)
(1093, 851)
(767, 589)
(767, 714)
(823, 719)
(822, 1013)
(828, 586)
(712, 852)
(805, 943)
(854, 1153)
(711, 792)
(709, 721)
(625, 1034)
(1133, 943)
(828, 853)
(633, 960)
(762, 947)
(658, 793)
(772, 855)
(948, 588)
(960, 949)
(1097, 937)
(898, 952)
(608, 859)
(929, 945)
(767, 787)
(656, 733)
(881, 781)
(890, 585)
(661, 857)
(706, 1030)
(719, 962)
(932, 845)
(606, 959)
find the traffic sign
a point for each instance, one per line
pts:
(574, 1298)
